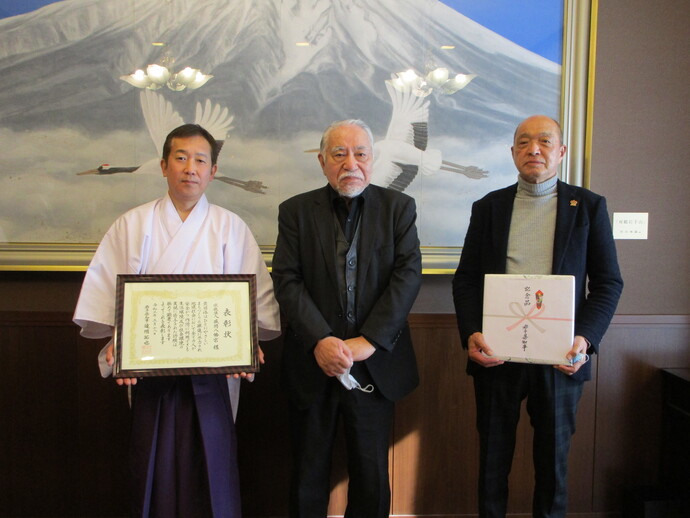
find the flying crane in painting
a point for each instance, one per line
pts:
(161, 118)
(403, 153)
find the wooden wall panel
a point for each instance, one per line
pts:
(435, 452)
(629, 403)
(29, 406)
(64, 429)
(62, 439)
(264, 440)
(103, 431)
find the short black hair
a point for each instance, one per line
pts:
(191, 130)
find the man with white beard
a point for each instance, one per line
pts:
(346, 269)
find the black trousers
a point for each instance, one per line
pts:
(366, 422)
(552, 399)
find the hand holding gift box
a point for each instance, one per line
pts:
(529, 318)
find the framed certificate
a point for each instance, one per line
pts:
(185, 324)
(529, 318)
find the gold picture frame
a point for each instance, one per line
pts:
(169, 325)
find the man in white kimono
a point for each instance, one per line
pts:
(183, 448)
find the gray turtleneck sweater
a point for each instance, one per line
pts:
(532, 228)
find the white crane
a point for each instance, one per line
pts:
(161, 118)
(403, 153)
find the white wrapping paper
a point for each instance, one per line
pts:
(529, 318)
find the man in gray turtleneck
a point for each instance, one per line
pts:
(538, 226)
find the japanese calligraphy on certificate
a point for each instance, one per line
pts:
(185, 324)
(529, 318)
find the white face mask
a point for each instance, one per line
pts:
(349, 382)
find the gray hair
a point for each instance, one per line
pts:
(346, 122)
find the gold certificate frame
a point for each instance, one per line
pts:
(170, 325)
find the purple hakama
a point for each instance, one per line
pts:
(183, 452)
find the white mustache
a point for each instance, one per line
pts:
(352, 174)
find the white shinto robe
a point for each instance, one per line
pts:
(152, 239)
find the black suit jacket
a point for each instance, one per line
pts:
(583, 247)
(388, 280)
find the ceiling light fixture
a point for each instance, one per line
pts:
(438, 78)
(158, 75)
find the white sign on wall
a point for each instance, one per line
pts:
(630, 225)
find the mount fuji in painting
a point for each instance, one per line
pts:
(65, 110)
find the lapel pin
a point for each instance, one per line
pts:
(573, 203)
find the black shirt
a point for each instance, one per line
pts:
(347, 210)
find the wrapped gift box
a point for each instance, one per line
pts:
(529, 318)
